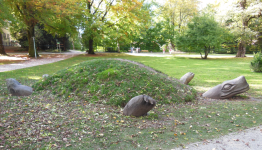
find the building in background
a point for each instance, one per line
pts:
(7, 40)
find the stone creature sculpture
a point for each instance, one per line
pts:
(187, 77)
(228, 89)
(139, 106)
(16, 89)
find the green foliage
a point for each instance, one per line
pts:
(152, 38)
(5, 14)
(108, 73)
(203, 33)
(256, 63)
(114, 82)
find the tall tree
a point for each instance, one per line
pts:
(237, 15)
(202, 35)
(104, 14)
(31, 12)
(179, 13)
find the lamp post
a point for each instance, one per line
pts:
(34, 46)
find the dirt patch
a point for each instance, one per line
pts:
(94, 55)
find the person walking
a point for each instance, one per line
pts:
(170, 50)
(163, 51)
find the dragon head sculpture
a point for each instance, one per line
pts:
(228, 88)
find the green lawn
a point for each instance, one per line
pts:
(45, 122)
(208, 73)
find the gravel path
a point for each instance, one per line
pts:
(250, 139)
(39, 61)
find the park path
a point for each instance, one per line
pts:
(25, 63)
(182, 54)
(249, 139)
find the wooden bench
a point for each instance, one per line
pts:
(144, 50)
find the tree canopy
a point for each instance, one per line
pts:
(55, 15)
(203, 33)
(237, 16)
(116, 23)
(114, 20)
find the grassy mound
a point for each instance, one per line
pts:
(113, 82)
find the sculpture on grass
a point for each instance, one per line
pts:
(16, 89)
(228, 89)
(187, 78)
(139, 106)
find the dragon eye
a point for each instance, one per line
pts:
(227, 87)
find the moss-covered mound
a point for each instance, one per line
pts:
(114, 82)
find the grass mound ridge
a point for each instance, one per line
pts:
(113, 82)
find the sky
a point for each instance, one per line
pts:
(202, 5)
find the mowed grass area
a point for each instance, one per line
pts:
(44, 122)
(208, 73)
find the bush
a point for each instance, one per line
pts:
(256, 63)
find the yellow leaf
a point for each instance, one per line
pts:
(254, 122)
(49, 121)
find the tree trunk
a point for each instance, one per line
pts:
(118, 47)
(2, 48)
(30, 35)
(241, 50)
(206, 54)
(64, 43)
(91, 41)
(91, 48)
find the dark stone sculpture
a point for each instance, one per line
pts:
(139, 106)
(16, 89)
(187, 77)
(228, 89)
